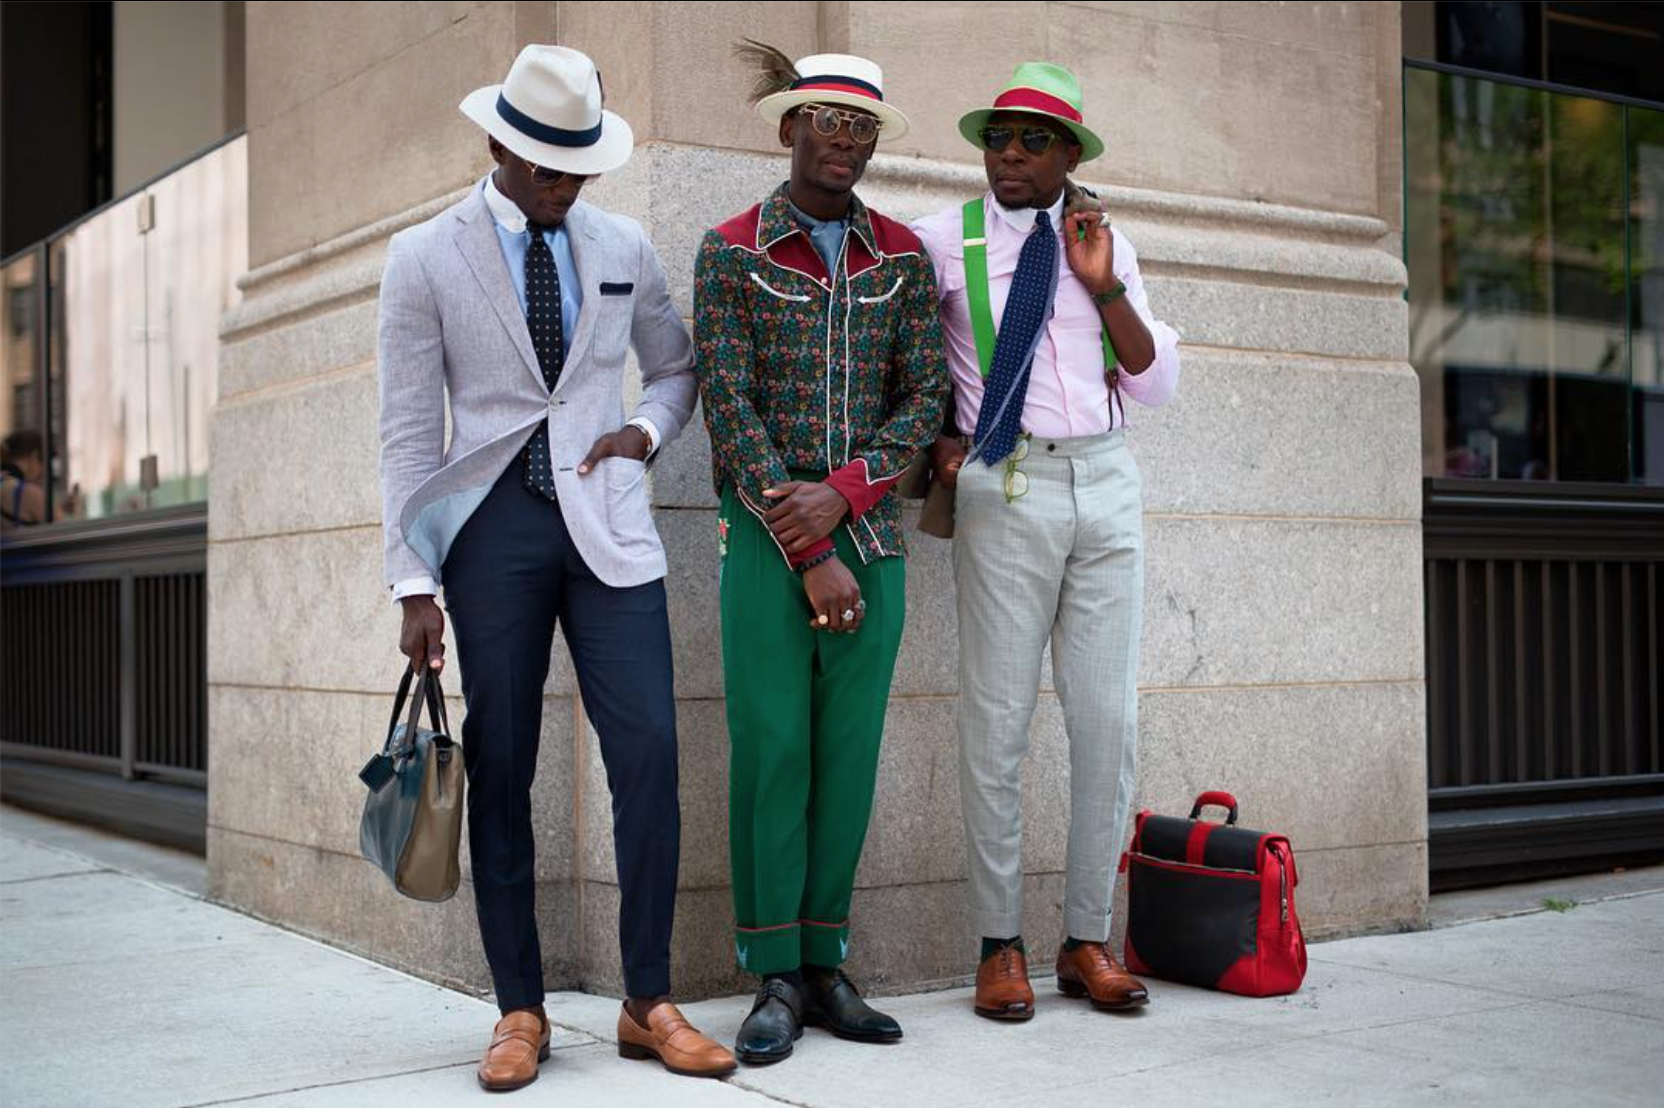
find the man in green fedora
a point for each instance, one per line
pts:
(1048, 542)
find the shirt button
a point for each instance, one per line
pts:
(1051, 448)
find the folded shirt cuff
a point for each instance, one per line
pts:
(648, 428)
(415, 586)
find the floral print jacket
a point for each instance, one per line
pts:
(840, 374)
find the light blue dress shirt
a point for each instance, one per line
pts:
(515, 240)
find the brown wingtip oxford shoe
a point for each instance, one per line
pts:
(518, 1043)
(669, 1038)
(1090, 970)
(1002, 988)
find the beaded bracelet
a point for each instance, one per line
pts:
(823, 556)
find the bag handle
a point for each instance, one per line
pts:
(1217, 800)
(431, 693)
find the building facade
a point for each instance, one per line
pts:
(1283, 656)
(1339, 504)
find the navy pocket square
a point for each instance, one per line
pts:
(617, 288)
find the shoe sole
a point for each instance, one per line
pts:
(1007, 1015)
(849, 1036)
(1076, 990)
(638, 1053)
(542, 1056)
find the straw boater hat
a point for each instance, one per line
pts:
(840, 79)
(1039, 88)
(549, 112)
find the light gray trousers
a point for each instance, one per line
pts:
(1064, 562)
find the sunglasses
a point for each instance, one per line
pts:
(862, 128)
(1036, 140)
(549, 178)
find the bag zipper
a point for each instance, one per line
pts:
(1282, 881)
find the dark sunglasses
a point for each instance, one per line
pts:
(549, 178)
(1036, 140)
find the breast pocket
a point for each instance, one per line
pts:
(615, 311)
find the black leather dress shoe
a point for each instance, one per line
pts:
(775, 1023)
(832, 1001)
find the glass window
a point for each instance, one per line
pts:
(1646, 283)
(1520, 208)
(138, 293)
(22, 447)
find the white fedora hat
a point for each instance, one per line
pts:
(549, 112)
(837, 79)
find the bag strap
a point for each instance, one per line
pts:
(436, 703)
(398, 706)
(974, 238)
(974, 235)
(431, 693)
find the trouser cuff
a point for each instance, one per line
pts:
(761, 950)
(825, 944)
(996, 925)
(1088, 927)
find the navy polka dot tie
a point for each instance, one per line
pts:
(544, 319)
(1026, 306)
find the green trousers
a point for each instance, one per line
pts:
(805, 719)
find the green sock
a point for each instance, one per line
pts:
(990, 947)
(1071, 944)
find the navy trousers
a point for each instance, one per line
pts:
(513, 576)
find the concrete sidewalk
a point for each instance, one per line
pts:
(120, 986)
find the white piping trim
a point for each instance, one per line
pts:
(880, 299)
(746, 500)
(849, 306)
(774, 291)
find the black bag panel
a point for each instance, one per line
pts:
(1163, 837)
(1233, 848)
(1189, 925)
(1226, 848)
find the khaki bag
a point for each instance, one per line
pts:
(412, 822)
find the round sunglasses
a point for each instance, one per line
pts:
(862, 128)
(1036, 140)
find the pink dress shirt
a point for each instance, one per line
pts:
(1068, 391)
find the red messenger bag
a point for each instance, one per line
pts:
(1212, 904)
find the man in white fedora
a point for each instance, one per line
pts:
(821, 367)
(517, 305)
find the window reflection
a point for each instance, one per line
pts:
(138, 292)
(1518, 244)
(22, 453)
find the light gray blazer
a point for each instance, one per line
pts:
(451, 323)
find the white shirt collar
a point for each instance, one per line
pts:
(1022, 219)
(505, 211)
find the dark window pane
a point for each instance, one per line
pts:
(1514, 238)
(1646, 297)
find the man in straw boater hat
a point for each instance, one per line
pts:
(820, 365)
(1048, 539)
(519, 303)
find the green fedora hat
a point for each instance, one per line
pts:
(1039, 88)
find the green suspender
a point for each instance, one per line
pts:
(976, 291)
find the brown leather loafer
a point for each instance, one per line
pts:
(1002, 988)
(671, 1039)
(1091, 970)
(519, 1042)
